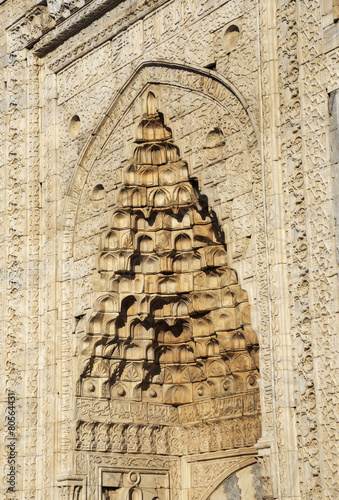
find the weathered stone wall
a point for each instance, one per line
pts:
(73, 91)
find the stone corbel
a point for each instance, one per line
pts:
(72, 488)
(265, 457)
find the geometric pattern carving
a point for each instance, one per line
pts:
(171, 324)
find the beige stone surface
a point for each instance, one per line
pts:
(169, 286)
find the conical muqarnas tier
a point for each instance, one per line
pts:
(174, 325)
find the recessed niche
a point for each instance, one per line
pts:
(231, 38)
(98, 196)
(74, 126)
(214, 143)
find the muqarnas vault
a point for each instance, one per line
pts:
(169, 345)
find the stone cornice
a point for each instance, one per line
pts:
(133, 13)
(72, 24)
(39, 31)
(27, 30)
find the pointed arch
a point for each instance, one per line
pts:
(210, 83)
(133, 331)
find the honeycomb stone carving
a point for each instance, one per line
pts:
(171, 324)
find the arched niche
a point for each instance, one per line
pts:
(228, 179)
(96, 162)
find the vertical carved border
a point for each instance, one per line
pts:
(282, 459)
(319, 75)
(49, 387)
(294, 188)
(30, 416)
(15, 257)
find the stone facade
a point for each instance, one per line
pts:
(169, 234)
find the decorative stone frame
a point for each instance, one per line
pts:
(225, 94)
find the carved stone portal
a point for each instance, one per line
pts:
(135, 485)
(169, 351)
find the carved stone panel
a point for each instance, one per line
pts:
(142, 269)
(167, 358)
